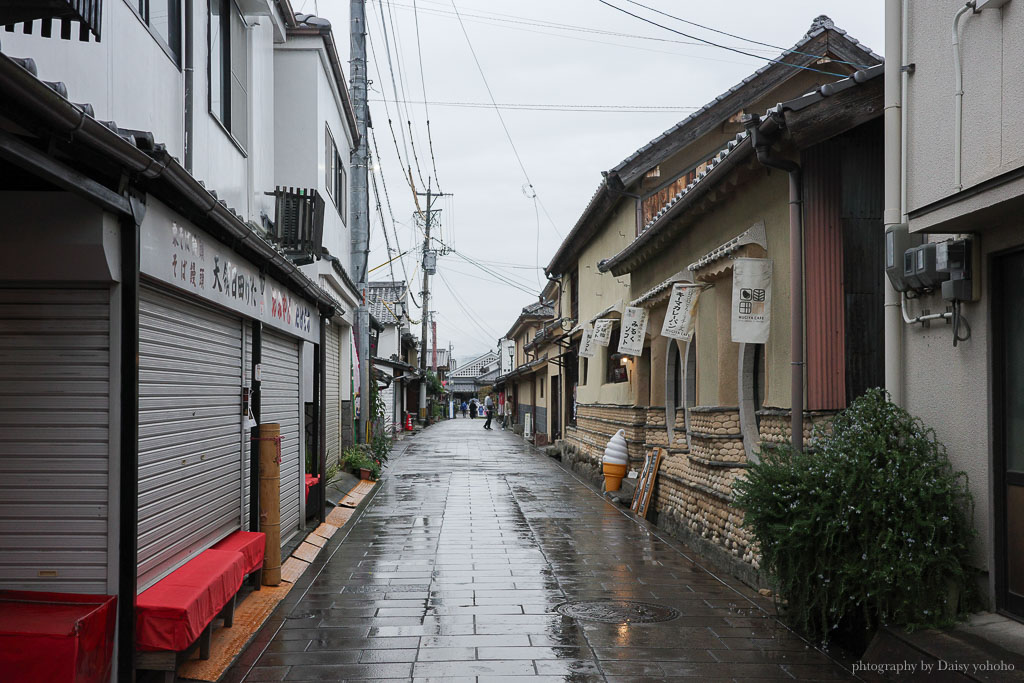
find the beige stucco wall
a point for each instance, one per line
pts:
(764, 198)
(992, 48)
(600, 290)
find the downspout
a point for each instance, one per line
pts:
(958, 97)
(189, 85)
(255, 400)
(322, 417)
(762, 136)
(128, 569)
(895, 119)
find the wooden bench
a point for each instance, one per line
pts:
(177, 613)
(252, 545)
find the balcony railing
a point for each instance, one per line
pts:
(87, 13)
(298, 223)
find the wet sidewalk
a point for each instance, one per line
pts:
(458, 565)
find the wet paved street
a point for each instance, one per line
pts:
(456, 566)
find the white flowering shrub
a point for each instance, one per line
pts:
(869, 526)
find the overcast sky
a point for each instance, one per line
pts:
(527, 60)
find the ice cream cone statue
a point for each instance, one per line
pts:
(615, 459)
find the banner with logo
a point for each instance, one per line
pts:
(751, 300)
(682, 307)
(603, 331)
(634, 326)
(587, 346)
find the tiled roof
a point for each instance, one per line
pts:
(820, 24)
(605, 196)
(381, 298)
(473, 367)
(739, 146)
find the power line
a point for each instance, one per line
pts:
(469, 314)
(402, 71)
(748, 40)
(501, 278)
(521, 106)
(527, 21)
(497, 111)
(423, 87)
(724, 47)
(391, 213)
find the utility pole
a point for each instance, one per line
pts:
(360, 209)
(428, 214)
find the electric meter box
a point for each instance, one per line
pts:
(430, 262)
(960, 260)
(923, 260)
(897, 241)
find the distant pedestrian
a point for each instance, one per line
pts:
(465, 409)
(472, 409)
(507, 422)
(489, 410)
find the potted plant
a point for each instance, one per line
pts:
(358, 461)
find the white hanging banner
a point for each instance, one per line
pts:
(603, 331)
(587, 346)
(751, 300)
(682, 307)
(634, 327)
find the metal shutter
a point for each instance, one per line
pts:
(279, 403)
(190, 460)
(54, 450)
(246, 443)
(333, 397)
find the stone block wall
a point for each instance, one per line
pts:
(695, 484)
(776, 424)
(596, 424)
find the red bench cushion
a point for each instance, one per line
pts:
(250, 543)
(171, 614)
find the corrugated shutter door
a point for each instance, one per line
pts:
(190, 365)
(280, 403)
(333, 397)
(54, 401)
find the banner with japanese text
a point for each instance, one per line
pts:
(751, 300)
(682, 307)
(603, 331)
(634, 327)
(587, 346)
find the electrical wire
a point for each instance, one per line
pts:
(402, 77)
(486, 344)
(517, 106)
(375, 155)
(423, 87)
(472, 315)
(724, 47)
(748, 40)
(504, 279)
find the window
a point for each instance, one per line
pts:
(586, 368)
(336, 180)
(542, 388)
(574, 295)
(229, 69)
(163, 17)
(614, 368)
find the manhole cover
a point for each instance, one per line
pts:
(617, 611)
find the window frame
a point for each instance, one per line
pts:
(614, 371)
(335, 175)
(227, 74)
(140, 8)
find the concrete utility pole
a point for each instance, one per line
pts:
(428, 214)
(360, 209)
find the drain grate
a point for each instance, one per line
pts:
(617, 611)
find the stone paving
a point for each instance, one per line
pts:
(456, 566)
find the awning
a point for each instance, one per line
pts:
(662, 290)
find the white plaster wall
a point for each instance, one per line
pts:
(992, 45)
(127, 78)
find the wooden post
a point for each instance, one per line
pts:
(270, 500)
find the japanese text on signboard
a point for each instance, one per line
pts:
(603, 332)
(634, 327)
(682, 306)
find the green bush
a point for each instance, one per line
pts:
(869, 526)
(357, 458)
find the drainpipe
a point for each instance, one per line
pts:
(958, 96)
(128, 486)
(321, 403)
(895, 128)
(255, 405)
(762, 135)
(188, 68)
